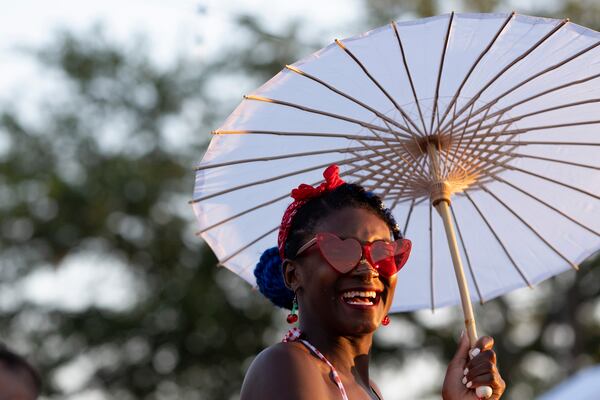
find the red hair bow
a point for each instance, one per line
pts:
(332, 180)
(301, 195)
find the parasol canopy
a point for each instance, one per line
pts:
(496, 115)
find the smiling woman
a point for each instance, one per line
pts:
(339, 250)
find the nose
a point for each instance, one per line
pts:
(365, 270)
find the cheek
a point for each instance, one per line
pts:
(318, 277)
(391, 287)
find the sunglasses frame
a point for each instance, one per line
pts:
(366, 251)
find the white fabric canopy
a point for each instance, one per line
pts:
(512, 105)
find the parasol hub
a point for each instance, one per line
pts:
(440, 191)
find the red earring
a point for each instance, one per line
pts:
(293, 316)
(385, 321)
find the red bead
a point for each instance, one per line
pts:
(385, 321)
(292, 318)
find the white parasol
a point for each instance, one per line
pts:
(491, 119)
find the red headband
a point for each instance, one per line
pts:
(301, 195)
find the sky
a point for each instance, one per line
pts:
(192, 28)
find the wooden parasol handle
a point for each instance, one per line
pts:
(471, 329)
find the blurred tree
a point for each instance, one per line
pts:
(103, 167)
(95, 173)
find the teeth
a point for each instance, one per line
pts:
(351, 294)
(362, 303)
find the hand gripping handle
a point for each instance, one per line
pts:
(483, 392)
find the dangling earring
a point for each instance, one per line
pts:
(293, 315)
(385, 321)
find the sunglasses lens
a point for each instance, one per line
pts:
(389, 258)
(403, 247)
(343, 255)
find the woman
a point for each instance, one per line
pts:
(338, 253)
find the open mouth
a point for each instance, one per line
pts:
(361, 298)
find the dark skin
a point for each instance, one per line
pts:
(16, 384)
(344, 334)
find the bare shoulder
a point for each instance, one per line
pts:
(284, 370)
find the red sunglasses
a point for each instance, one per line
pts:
(345, 254)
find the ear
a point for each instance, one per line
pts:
(291, 274)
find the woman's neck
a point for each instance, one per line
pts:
(348, 354)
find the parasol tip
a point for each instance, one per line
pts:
(294, 69)
(339, 43)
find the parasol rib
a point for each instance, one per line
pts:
(419, 170)
(416, 167)
(372, 176)
(244, 212)
(274, 178)
(408, 74)
(462, 133)
(547, 205)
(366, 71)
(510, 65)
(304, 134)
(532, 77)
(540, 94)
(538, 112)
(477, 152)
(249, 210)
(537, 128)
(240, 250)
(384, 156)
(246, 246)
(351, 98)
(387, 176)
(410, 210)
(520, 155)
(468, 75)
(544, 143)
(324, 113)
(462, 243)
(514, 264)
(464, 148)
(504, 165)
(440, 70)
(531, 228)
(289, 155)
(446, 153)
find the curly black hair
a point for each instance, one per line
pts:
(268, 271)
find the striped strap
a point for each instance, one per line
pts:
(334, 374)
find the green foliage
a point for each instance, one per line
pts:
(69, 187)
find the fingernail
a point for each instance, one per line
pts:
(466, 371)
(469, 384)
(475, 351)
(464, 380)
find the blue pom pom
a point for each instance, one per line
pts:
(269, 278)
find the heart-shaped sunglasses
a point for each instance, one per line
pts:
(345, 254)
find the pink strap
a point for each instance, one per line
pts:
(294, 335)
(334, 374)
